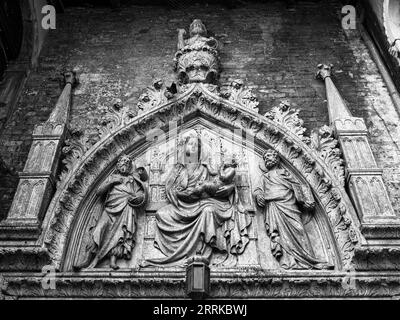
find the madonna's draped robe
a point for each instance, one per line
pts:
(283, 219)
(190, 224)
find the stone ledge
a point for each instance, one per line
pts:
(19, 229)
(377, 258)
(16, 259)
(388, 229)
(363, 285)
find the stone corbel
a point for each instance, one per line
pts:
(379, 223)
(37, 181)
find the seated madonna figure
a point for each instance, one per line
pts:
(195, 222)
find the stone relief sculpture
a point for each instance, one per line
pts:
(113, 236)
(201, 185)
(197, 57)
(281, 196)
(204, 212)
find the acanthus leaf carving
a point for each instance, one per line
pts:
(118, 115)
(283, 129)
(288, 118)
(75, 147)
(323, 141)
(156, 95)
(238, 93)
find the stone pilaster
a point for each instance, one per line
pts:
(37, 180)
(379, 223)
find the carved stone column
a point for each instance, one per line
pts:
(379, 223)
(37, 181)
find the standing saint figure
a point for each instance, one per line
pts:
(198, 36)
(196, 222)
(113, 236)
(280, 196)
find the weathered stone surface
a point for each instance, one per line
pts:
(272, 49)
(178, 131)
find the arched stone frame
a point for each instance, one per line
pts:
(88, 215)
(125, 135)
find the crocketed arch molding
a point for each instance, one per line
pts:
(124, 134)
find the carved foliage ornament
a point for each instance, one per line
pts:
(88, 167)
(280, 129)
(237, 93)
(327, 146)
(197, 57)
(288, 118)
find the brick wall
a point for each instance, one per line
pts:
(274, 50)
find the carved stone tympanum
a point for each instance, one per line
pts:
(201, 148)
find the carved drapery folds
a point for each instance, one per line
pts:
(299, 215)
(315, 162)
(114, 234)
(284, 201)
(304, 159)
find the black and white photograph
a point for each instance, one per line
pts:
(200, 152)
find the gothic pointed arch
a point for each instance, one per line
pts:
(315, 161)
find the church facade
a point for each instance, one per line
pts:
(219, 151)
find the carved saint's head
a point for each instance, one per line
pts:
(124, 165)
(271, 158)
(197, 28)
(192, 147)
(191, 143)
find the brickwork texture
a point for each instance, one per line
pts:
(274, 50)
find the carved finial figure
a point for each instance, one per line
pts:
(70, 76)
(198, 36)
(197, 57)
(324, 71)
(281, 197)
(113, 236)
